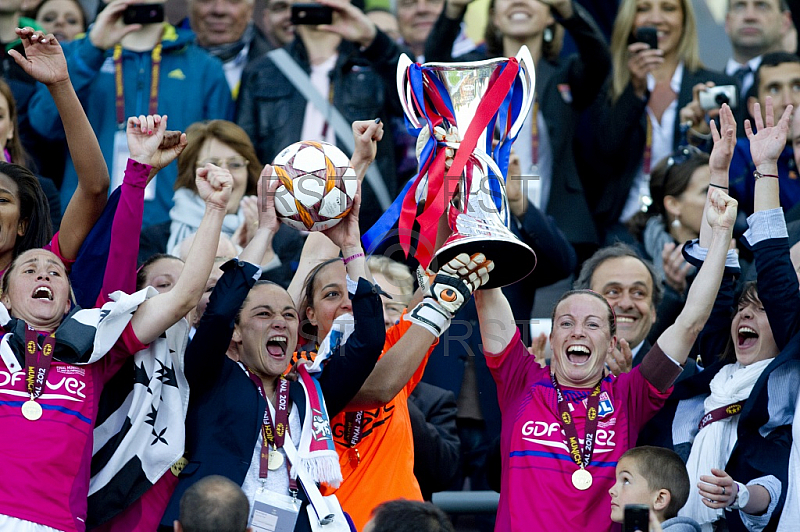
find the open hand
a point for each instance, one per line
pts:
(724, 142)
(346, 234)
(44, 60)
(721, 213)
(718, 490)
(620, 360)
(267, 185)
(214, 185)
(767, 144)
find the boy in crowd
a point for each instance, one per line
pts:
(657, 478)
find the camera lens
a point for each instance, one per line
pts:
(722, 98)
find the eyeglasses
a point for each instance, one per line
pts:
(680, 156)
(231, 163)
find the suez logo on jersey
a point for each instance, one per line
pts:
(531, 430)
(59, 381)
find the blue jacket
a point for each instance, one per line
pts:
(192, 87)
(743, 183)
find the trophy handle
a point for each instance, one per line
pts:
(404, 90)
(528, 73)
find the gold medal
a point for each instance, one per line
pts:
(274, 460)
(31, 410)
(582, 479)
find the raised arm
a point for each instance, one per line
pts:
(450, 291)
(678, 339)
(767, 235)
(496, 320)
(159, 313)
(719, 163)
(45, 62)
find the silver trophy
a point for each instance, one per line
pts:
(478, 225)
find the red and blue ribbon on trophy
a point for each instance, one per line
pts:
(417, 217)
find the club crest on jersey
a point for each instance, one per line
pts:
(605, 407)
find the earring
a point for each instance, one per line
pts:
(548, 35)
(676, 224)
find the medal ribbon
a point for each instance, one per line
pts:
(718, 414)
(353, 425)
(273, 433)
(581, 458)
(119, 92)
(648, 147)
(37, 361)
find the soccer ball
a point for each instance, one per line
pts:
(317, 185)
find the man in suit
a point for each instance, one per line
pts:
(754, 27)
(778, 76)
(633, 290)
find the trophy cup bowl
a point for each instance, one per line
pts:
(480, 224)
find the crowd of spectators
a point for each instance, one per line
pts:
(288, 378)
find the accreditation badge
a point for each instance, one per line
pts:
(273, 512)
(120, 161)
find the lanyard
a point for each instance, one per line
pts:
(718, 414)
(37, 361)
(353, 426)
(120, 86)
(535, 133)
(581, 458)
(273, 433)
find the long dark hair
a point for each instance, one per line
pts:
(34, 211)
(670, 177)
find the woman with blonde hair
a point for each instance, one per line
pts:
(641, 119)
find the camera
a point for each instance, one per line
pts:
(714, 97)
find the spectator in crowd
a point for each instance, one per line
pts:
(65, 19)
(276, 22)
(656, 478)
(755, 28)
(214, 504)
(143, 52)
(740, 440)
(778, 77)
(633, 289)
(262, 321)
(533, 479)
(408, 516)
(350, 61)
(678, 186)
(416, 19)
(637, 122)
(47, 159)
(564, 88)
(225, 29)
(12, 151)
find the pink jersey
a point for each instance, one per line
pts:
(45, 463)
(536, 488)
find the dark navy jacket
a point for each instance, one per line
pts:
(225, 407)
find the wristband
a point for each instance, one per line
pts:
(430, 315)
(351, 258)
(717, 186)
(758, 175)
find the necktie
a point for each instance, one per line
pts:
(739, 76)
